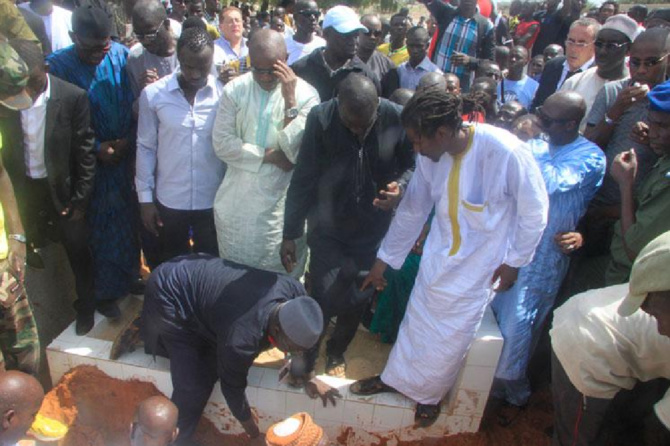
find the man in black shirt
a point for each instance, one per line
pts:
(555, 23)
(212, 317)
(354, 162)
(325, 67)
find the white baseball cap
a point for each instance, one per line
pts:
(343, 19)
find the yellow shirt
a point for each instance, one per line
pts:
(4, 249)
(397, 56)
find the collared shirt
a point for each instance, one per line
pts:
(175, 158)
(566, 70)
(228, 50)
(652, 218)
(33, 122)
(461, 36)
(410, 77)
(398, 56)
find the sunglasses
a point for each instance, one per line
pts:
(372, 33)
(637, 63)
(609, 46)
(262, 71)
(147, 36)
(547, 121)
(309, 13)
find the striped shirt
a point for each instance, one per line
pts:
(461, 36)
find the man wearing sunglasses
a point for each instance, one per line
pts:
(258, 131)
(155, 56)
(579, 57)
(368, 41)
(305, 40)
(621, 104)
(611, 48)
(324, 68)
(572, 168)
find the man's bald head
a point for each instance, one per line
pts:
(267, 43)
(357, 102)
(371, 21)
(21, 396)
(567, 104)
(432, 80)
(155, 422)
(401, 96)
(266, 49)
(660, 37)
(149, 11)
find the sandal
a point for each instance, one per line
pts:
(426, 414)
(370, 386)
(336, 366)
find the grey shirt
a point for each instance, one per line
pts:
(141, 60)
(620, 140)
(380, 64)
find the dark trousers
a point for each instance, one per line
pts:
(193, 371)
(578, 419)
(335, 271)
(43, 223)
(178, 228)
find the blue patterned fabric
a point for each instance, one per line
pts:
(113, 211)
(572, 173)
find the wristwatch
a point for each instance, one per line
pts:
(609, 121)
(291, 113)
(18, 237)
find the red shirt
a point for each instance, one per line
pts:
(522, 28)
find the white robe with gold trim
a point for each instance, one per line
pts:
(490, 208)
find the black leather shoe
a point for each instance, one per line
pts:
(34, 259)
(109, 309)
(84, 324)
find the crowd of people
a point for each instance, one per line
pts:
(281, 169)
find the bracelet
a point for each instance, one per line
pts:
(18, 237)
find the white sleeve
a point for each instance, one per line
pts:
(662, 409)
(147, 147)
(230, 148)
(290, 137)
(411, 215)
(525, 184)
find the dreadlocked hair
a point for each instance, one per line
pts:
(474, 103)
(195, 39)
(431, 109)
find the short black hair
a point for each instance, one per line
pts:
(195, 39)
(610, 2)
(193, 22)
(431, 109)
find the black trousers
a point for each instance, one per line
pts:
(179, 226)
(336, 269)
(43, 223)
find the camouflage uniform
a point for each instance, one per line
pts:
(19, 342)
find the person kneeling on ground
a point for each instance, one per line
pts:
(602, 344)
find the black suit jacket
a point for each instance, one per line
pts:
(68, 147)
(550, 77)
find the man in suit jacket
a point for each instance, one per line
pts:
(49, 156)
(580, 52)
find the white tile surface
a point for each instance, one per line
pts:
(271, 401)
(330, 412)
(386, 417)
(357, 414)
(469, 402)
(300, 402)
(477, 378)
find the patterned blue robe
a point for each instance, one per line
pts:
(113, 211)
(572, 174)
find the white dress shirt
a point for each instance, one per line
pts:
(566, 70)
(175, 158)
(57, 25)
(33, 122)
